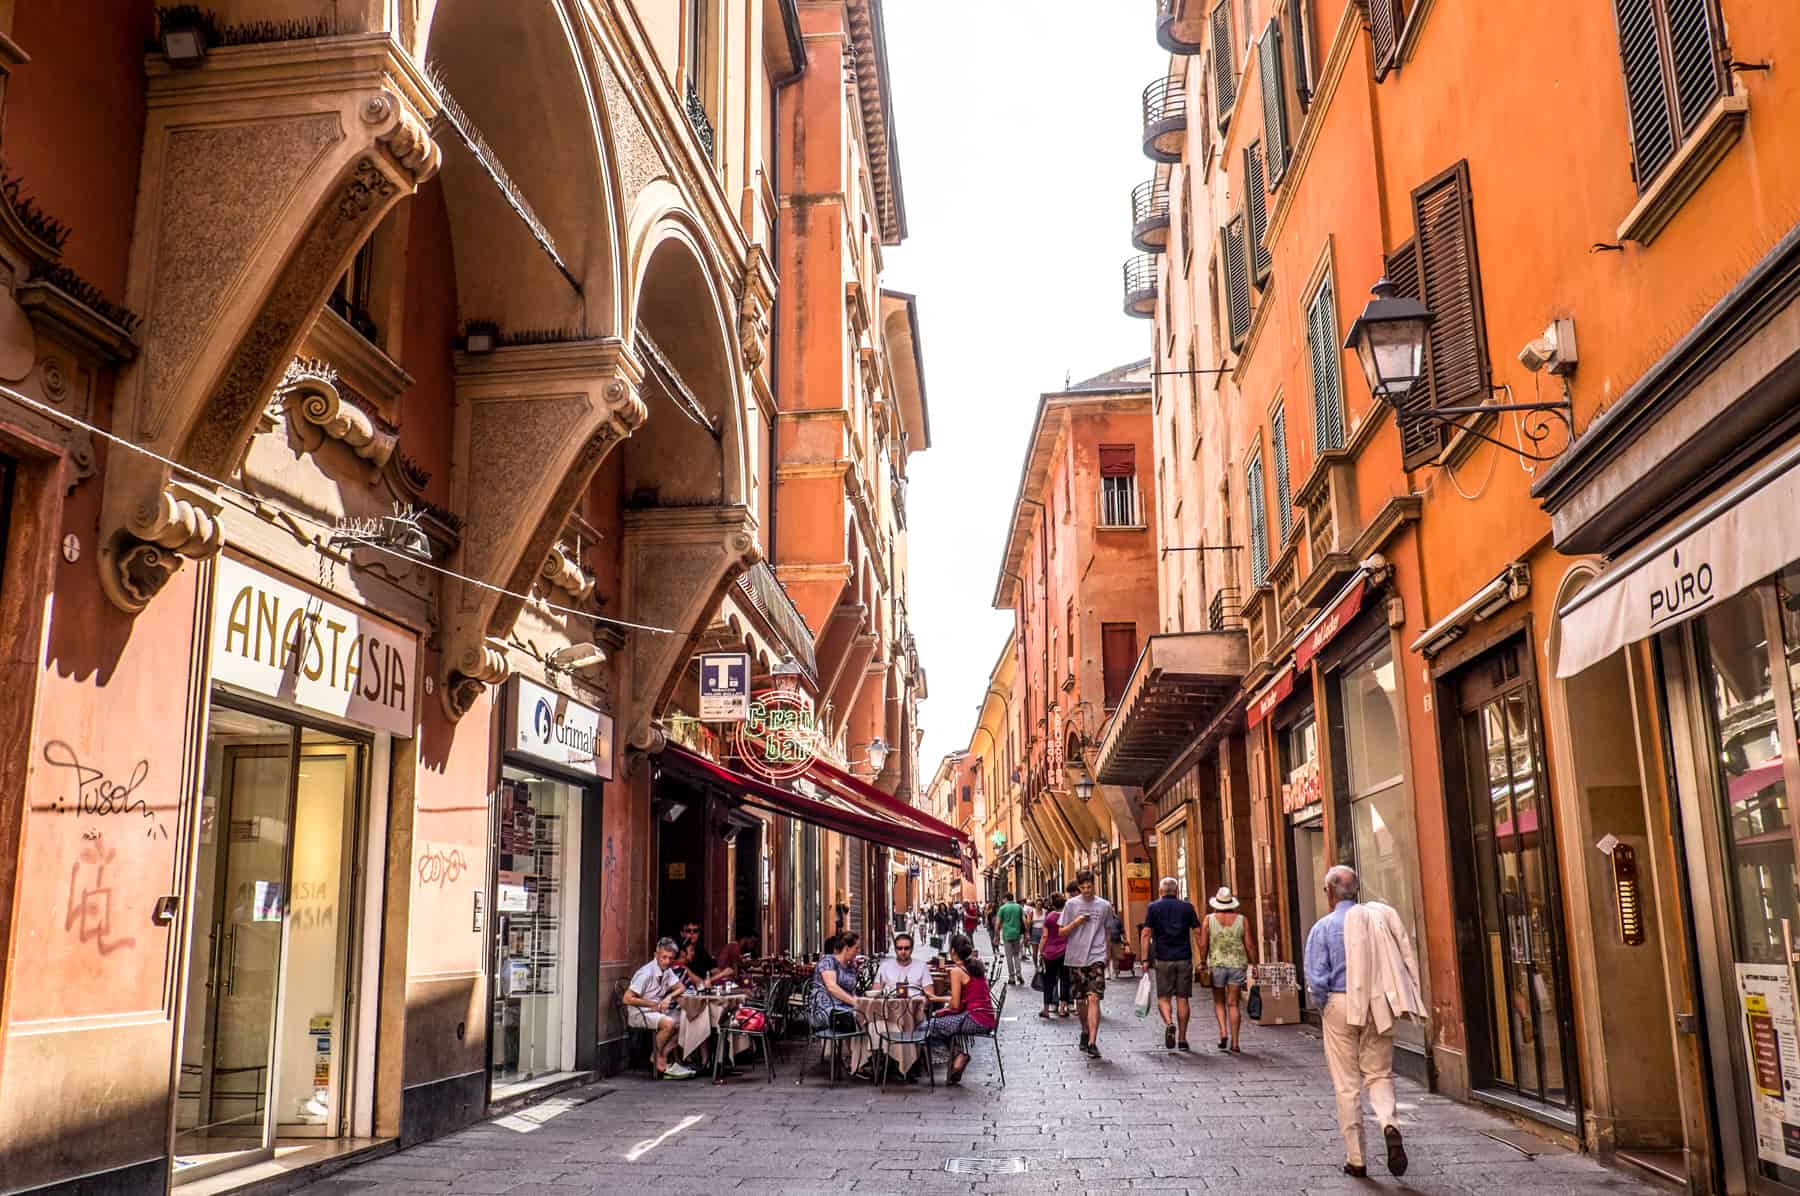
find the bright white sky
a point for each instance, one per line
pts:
(1019, 134)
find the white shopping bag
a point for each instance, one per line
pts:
(1145, 994)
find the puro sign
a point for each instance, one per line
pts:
(555, 728)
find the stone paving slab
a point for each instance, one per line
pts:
(1138, 1119)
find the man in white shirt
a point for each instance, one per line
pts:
(650, 1005)
(1086, 923)
(903, 968)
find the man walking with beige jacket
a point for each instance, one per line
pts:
(1362, 974)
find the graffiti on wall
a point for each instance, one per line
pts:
(93, 793)
(440, 865)
(89, 914)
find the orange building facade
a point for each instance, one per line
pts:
(1375, 629)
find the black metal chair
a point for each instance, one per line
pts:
(993, 1036)
(832, 1036)
(764, 1039)
(916, 1037)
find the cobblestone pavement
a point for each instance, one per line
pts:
(1138, 1118)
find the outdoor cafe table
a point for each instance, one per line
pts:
(879, 1012)
(701, 1016)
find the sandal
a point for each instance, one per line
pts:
(957, 1066)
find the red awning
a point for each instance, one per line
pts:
(874, 828)
(1322, 629)
(1272, 695)
(845, 785)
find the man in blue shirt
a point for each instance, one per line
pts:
(1358, 1056)
(1166, 935)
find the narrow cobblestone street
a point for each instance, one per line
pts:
(1139, 1118)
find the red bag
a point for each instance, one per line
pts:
(751, 1020)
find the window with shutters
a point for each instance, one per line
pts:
(1259, 521)
(1387, 18)
(1118, 486)
(1224, 62)
(1193, 365)
(1284, 493)
(1449, 283)
(1256, 212)
(1300, 42)
(1212, 298)
(1237, 281)
(1187, 219)
(1325, 356)
(1420, 440)
(1669, 50)
(1206, 124)
(1274, 102)
(1118, 656)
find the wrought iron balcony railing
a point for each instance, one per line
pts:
(1150, 215)
(1140, 286)
(1223, 613)
(1180, 26)
(1165, 119)
(697, 116)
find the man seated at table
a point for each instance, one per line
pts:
(650, 1004)
(903, 968)
(729, 967)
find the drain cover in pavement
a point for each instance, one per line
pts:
(980, 1166)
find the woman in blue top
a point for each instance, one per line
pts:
(828, 998)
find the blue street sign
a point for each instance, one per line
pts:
(724, 687)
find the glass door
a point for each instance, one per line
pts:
(1515, 885)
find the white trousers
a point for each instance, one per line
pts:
(1358, 1058)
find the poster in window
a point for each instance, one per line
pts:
(1766, 997)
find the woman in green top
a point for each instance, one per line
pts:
(1227, 948)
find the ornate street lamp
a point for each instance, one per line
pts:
(1084, 786)
(785, 676)
(878, 754)
(1389, 339)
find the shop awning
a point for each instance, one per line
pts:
(1270, 696)
(1179, 683)
(876, 801)
(1720, 548)
(837, 815)
(1337, 614)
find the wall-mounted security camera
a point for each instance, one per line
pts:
(1554, 351)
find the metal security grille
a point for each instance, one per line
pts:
(1284, 496)
(1327, 387)
(858, 885)
(1259, 521)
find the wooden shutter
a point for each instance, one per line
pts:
(1118, 656)
(1259, 521)
(1274, 102)
(1237, 281)
(1324, 353)
(1224, 59)
(1206, 124)
(1450, 285)
(1696, 66)
(1384, 32)
(1284, 493)
(1256, 208)
(1652, 130)
(1300, 38)
(1421, 440)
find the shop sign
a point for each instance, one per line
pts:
(1264, 703)
(276, 640)
(1326, 626)
(556, 729)
(724, 687)
(779, 737)
(1766, 995)
(1302, 790)
(510, 894)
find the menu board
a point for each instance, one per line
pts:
(1772, 1042)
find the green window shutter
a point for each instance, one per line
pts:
(1256, 210)
(1274, 102)
(1237, 281)
(1224, 59)
(1259, 522)
(1327, 381)
(1284, 494)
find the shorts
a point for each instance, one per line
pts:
(1088, 980)
(1174, 978)
(1037, 935)
(639, 1018)
(1227, 977)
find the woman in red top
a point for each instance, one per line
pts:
(968, 1008)
(1057, 980)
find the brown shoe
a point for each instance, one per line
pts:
(1396, 1153)
(1356, 1171)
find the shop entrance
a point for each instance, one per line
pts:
(1303, 811)
(265, 1027)
(1520, 1045)
(536, 844)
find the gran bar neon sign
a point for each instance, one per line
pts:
(779, 737)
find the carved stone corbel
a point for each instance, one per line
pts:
(482, 665)
(313, 401)
(756, 300)
(177, 523)
(566, 574)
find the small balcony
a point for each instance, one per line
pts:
(1181, 26)
(1150, 215)
(1225, 612)
(1165, 119)
(1140, 286)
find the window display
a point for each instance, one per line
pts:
(528, 925)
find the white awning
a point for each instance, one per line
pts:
(1723, 546)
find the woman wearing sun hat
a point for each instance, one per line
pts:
(1227, 948)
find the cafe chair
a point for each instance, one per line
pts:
(993, 1035)
(763, 1039)
(831, 1042)
(914, 1038)
(640, 1040)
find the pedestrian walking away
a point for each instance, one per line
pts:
(1226, 947)
(1010, 917)
(1034, 929)
(1056, 976)
(1168, 940)
(1361, 969)
(1084, 925)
